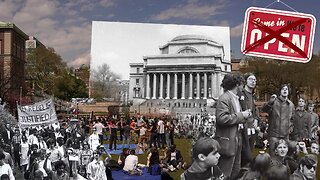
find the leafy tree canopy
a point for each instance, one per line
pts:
(302, 77)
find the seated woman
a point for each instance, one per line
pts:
(279, 160)
(154, 167)
(123, 156)
(258, 166)
(174, 158)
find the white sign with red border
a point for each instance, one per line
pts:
(278, 34)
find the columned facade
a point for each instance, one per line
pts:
(187, 73)
(175, 90)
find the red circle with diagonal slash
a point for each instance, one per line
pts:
(278, 34)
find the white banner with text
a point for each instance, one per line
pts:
(40, 113)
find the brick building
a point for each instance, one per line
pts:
(12, 61)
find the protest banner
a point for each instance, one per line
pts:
(40, 113)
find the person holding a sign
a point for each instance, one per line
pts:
(280, 110)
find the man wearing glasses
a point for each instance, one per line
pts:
(247, 101)
(307, 168)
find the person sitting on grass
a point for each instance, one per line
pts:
(125, 153)
(174, 158)
(154, 165)
(205, 157)
(131, 164)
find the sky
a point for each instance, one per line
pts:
(66, 25)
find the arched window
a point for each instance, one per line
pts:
(187, 50)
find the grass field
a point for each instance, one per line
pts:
(184, 145)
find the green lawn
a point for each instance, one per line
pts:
(184, 145)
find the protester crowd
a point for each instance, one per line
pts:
(223, 143)
(71, 149)
(290, 134)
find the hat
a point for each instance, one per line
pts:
(309, 160)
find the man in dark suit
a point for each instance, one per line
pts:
(7, 134)
(230, 119)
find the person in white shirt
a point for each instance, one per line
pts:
(142, 134)
(5, 168)
(44, 164)
(42, 144)
(99, 128)
(161, 133)
(94, 140)
(96, 169)
(131, 162)
(33, 139)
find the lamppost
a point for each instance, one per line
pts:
(77, 110)
(20, 97)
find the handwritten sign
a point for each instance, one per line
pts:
(278, 34)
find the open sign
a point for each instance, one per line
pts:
(278, 34)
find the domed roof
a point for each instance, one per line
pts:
(193, 38)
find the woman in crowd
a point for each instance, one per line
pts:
(60, 172)
(125, 153)
(279, 160)
(154, 167)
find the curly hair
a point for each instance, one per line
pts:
(230, 81)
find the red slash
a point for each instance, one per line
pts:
(276, 34)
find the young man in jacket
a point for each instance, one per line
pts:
(280, 110)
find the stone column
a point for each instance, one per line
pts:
(214, 84)
(183, 89)
(168, 86)
(213, 87)
(154, 96)
(218, 87)
(148, 87)
(198, 86)
(161, 86)
(190, 86)
(205, 88)
(175, 86)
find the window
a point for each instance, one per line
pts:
(137, 81)
(136, 93)
(138, 70)
(226, 68)
(187, 50)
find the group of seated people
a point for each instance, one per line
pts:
(157, 162)
(291, 161)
